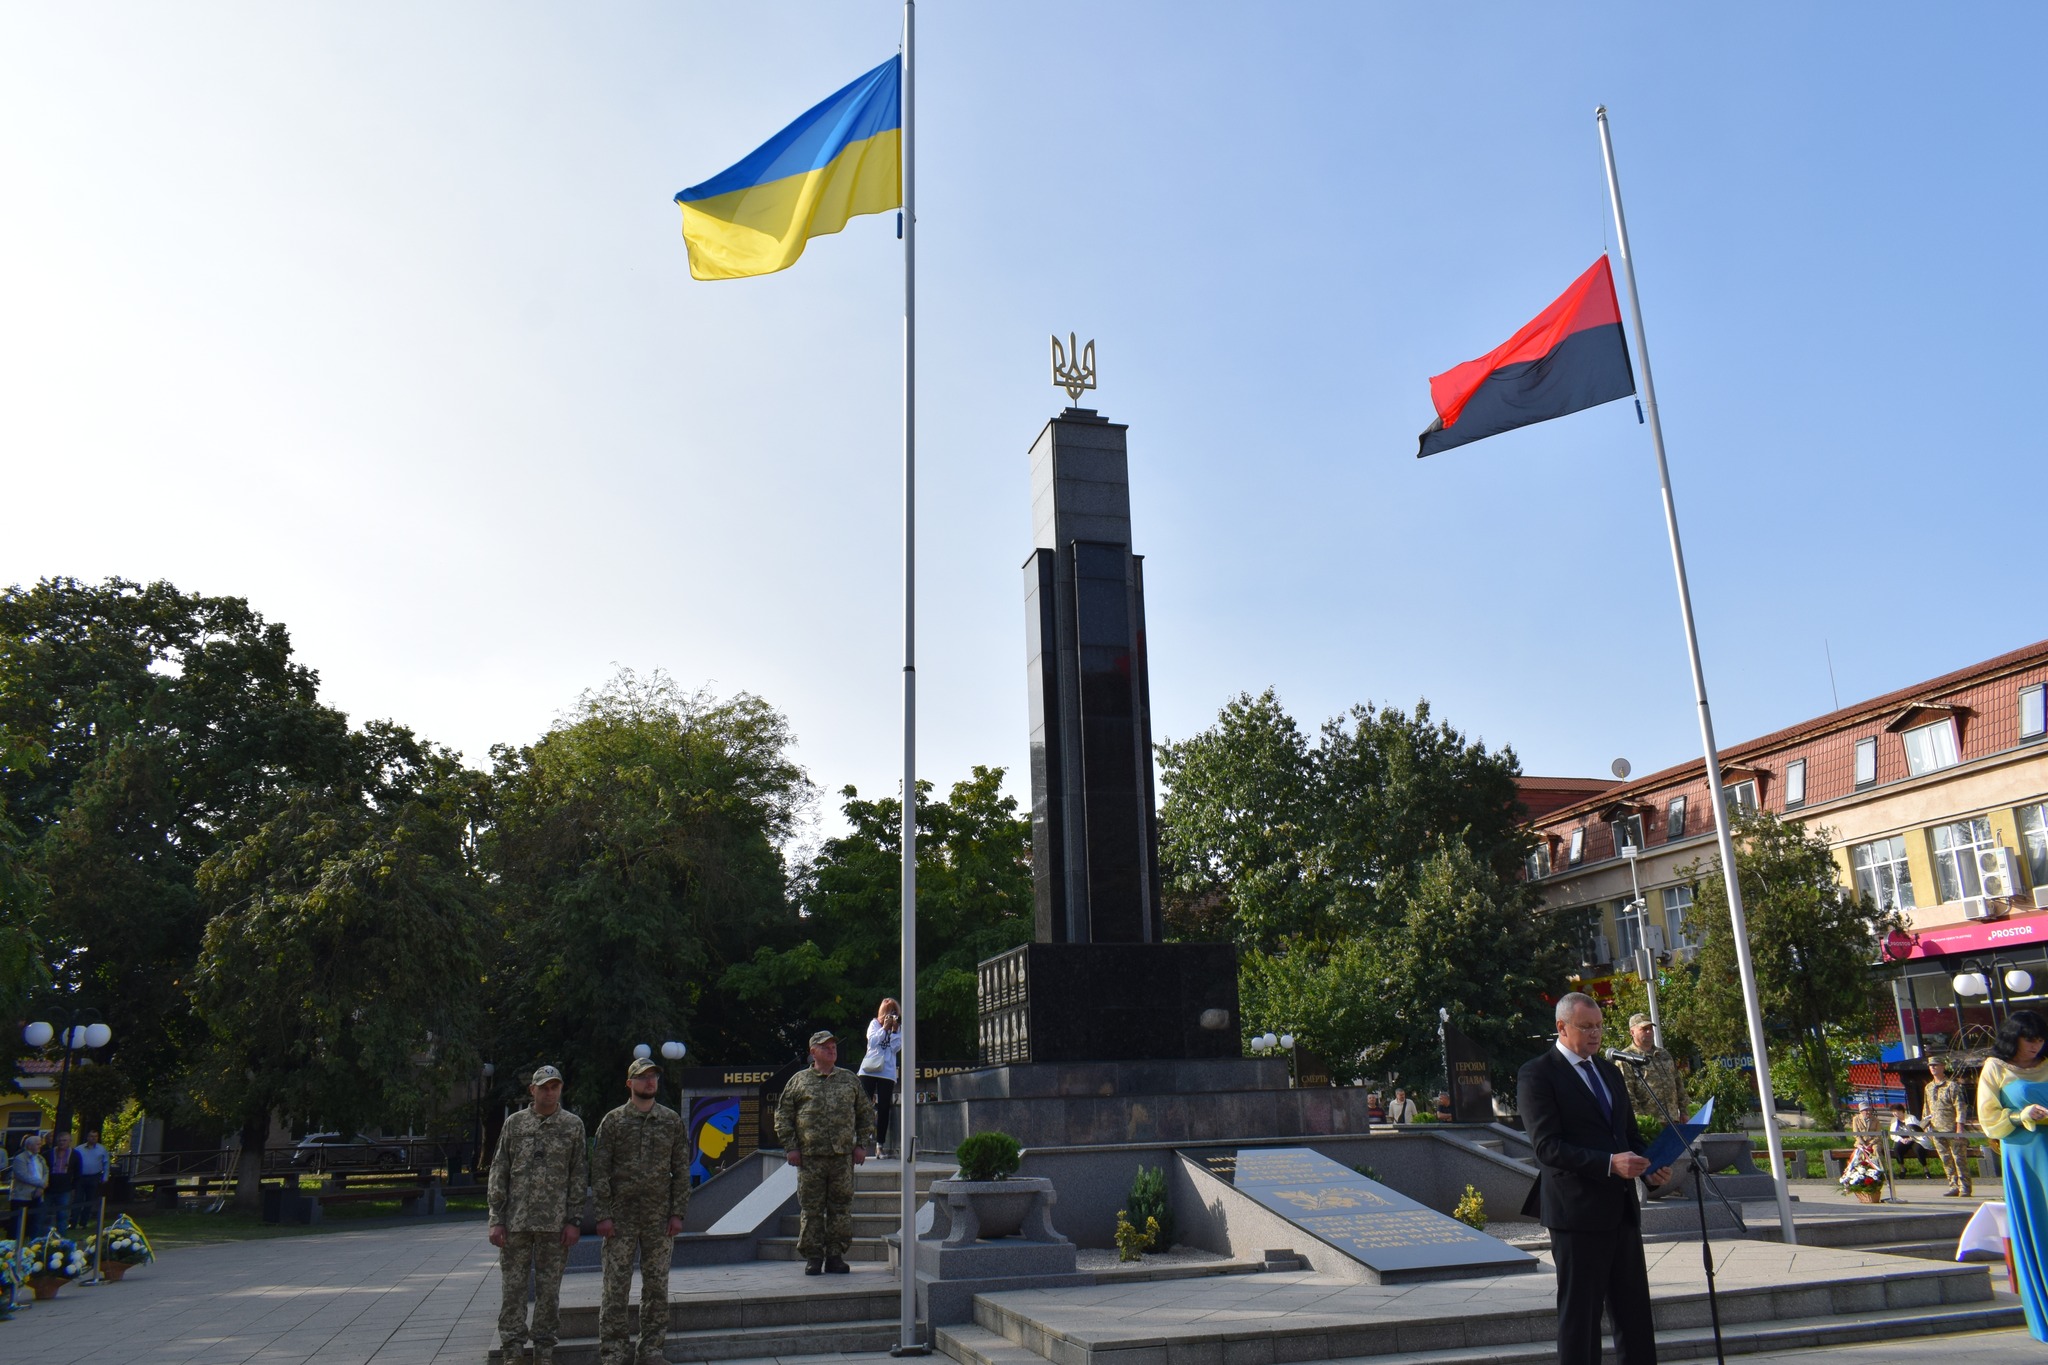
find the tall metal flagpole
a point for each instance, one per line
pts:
(1738, 922)
(906, 1066)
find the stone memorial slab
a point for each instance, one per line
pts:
(1391, 1234)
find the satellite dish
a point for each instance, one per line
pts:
(1620, 767)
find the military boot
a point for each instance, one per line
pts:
(815, 1266)
(836, 1265)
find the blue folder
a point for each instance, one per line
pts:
(1673, 1142)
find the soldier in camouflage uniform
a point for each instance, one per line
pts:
(1943, 1109)
(640, 1174)
(1655, 1089)
(536, 1199)
(824, 1121)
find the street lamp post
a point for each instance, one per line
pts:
(1646, 962)
(476, 1151)
(83, 1031)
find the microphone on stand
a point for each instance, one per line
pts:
(1615, 1054)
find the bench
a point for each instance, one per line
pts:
(292, 1206)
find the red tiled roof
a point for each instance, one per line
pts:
(1924, 693)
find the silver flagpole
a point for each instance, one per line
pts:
(906, 1066)
(1737, 920)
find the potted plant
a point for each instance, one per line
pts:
(986, 1198)
(122, 1245)
(53, 1262)
(1862, 1176)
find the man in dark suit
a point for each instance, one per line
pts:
(1576, 1109)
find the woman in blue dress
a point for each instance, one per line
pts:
(2012, 1106)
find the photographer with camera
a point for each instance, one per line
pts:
(878, 1068)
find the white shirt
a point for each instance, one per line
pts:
(884, 1046)
(1584, 1066)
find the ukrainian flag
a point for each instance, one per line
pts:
(842, 158)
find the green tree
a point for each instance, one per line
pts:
(974, 900)
(1464, 942)
(636, 853)
(155, 727)
(342, 972)
(1371, 878)
(23, 975)
(1274, 838)
(1811, 941)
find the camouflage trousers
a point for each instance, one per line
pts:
(543, 1254)
(824, 1196)
(1954, 1150)
(645, 1241)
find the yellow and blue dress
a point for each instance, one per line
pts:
(2003, 1090)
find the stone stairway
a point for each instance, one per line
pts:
(1839, 1299)
(812, 1320)
(1923, 1233)
(877, 1195)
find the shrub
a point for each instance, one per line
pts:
(988, 1156)
(1148, 1204)
(1471, 1210)
(1131, 1244)
(1368, 1172)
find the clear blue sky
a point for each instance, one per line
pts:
(379, 316)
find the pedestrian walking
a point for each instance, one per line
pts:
(29, 1177)
(536, 1208)
(878, 1068)
(825, 1121)
(1944, 1101)
(1402, 1110)
(640, 1174)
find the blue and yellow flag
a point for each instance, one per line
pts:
(842, 158)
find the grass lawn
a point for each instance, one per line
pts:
(192, 1225)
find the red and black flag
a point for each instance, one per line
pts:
(1572, 356)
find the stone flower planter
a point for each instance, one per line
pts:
(968, 1211)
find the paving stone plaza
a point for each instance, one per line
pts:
(427, 1294)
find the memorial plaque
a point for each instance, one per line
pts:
(1384, 1230)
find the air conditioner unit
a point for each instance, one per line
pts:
(1655, 937)
(1995, 869)
(1687, 953)
(1602, 954)
(1976, 907)
(2041, 898)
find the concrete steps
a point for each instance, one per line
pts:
(821, 1318)
(877, 1209)
(1918, 1299)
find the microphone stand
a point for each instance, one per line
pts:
(1700, 1178)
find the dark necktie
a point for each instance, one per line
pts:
(1599, 1090)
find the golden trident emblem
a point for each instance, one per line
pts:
(1073, 367)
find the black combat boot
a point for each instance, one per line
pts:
(814, 1266)
(836, 1265)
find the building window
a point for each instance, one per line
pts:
(1795, 783)
(1578, 846)
(1674, 819)
(1678, 917)
(2034, 838)
(2033, 711)
(1538, 862)
(1741, 796)
(1866, 763)
(1628, 833)
(1628, 933)
(1882, 877)
(1930, 748)
(1955, 857)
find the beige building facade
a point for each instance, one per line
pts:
(1934, 798)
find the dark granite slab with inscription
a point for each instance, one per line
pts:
(1388, 1232)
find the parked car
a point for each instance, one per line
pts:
(336, 1151)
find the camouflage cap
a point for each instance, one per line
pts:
(641, 1066)
(543, 1074)
(822, 1037)
(1638, 1020)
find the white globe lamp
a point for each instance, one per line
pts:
(642, 1050)
(2019, 981)
(673, 1051)
(38, 1034)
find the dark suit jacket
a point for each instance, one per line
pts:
(1573, 1141)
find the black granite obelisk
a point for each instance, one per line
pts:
(1099, 984)
(1094, 819)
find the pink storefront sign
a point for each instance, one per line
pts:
(1988, 936)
